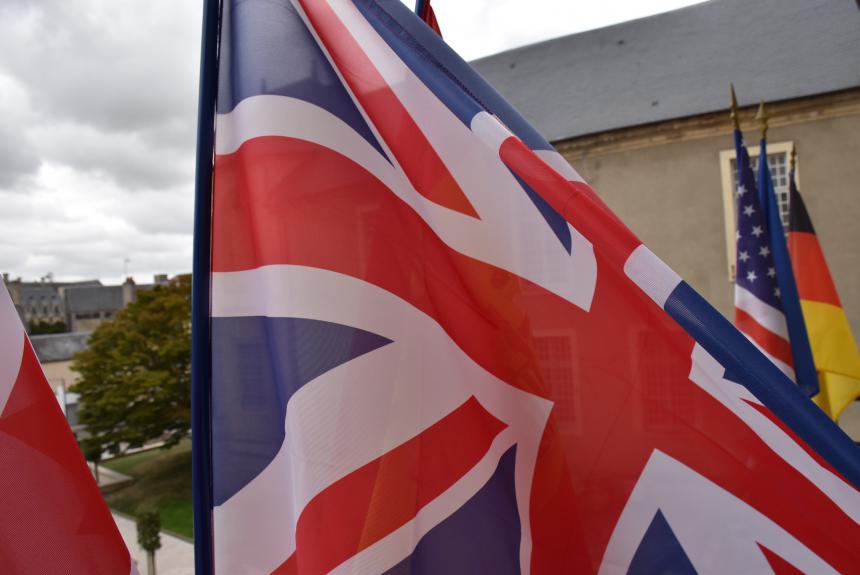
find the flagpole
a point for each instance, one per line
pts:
(201, 397)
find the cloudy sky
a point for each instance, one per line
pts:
(98, 125)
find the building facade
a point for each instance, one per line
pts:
(71, 306)
(640, 110)
(55, 353)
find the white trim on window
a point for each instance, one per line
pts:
(726, 157)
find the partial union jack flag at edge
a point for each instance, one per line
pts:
(435, 350)
(52, 515)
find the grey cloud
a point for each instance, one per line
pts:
(17, 154)
(118, 65)
(126, 157)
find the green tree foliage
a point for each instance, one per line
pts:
(148, 527)
(148, 537)
(46, 327)
(135, 381)
(93, 454)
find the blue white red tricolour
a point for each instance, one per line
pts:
(435, 350)
(52, 516)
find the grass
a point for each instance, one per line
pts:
(162, 480)
(128, 463)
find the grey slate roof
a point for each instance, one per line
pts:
(93, 299)
(680, 63)
(59, 346)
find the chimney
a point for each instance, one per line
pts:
(129, 291)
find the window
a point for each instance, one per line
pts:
(557, 365)
(778, 162)
(662, 400)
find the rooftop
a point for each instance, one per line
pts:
(59, 346)
(93, 299)
(680, 63)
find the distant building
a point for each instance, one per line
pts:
(78, 306)
(640, 109)
(88, 306)
(55, 352)
(41, 302)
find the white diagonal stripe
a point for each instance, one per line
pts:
(355, 412)
(12, 338)
(765, 314)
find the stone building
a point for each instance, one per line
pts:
(55, 353)
(78, 306)
(640, 109)
(42, 302)
(88, 306)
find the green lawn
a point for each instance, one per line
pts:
(162, 480)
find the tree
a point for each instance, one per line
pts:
(47, 327)
(93, 454)
(148, 536)
(135, 381)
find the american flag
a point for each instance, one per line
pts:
(758, 302)
(435, 350)
(52, 516)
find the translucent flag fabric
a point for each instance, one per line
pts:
(435, 350)
(52, 515)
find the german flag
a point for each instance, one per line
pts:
(833, 349)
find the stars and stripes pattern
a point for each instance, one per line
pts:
(435, 350)
(54, 519)
(758, 301)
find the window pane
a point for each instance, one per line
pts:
(778, 164)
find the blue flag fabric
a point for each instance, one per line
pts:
(435, 350)
(804, 366)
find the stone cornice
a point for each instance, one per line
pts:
(785, 113)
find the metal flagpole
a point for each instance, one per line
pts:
(201, 397)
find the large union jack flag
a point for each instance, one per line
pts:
(435, 350)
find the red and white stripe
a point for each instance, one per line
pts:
(302, 251)
(764, 326)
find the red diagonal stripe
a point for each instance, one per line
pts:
(779, 565)
(575, 201)
(284, 201)
(788, 431)
(771, 342)
(54, 519)
(407, 142)
(385, 494)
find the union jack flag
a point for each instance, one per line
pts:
(52, 516)
(435, 350)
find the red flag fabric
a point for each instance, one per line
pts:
(54, 519)
(429, 17)
(435, 350)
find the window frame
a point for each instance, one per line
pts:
(726, 157)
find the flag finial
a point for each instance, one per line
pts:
(762, 118)
(793, 157)
(734, 112)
